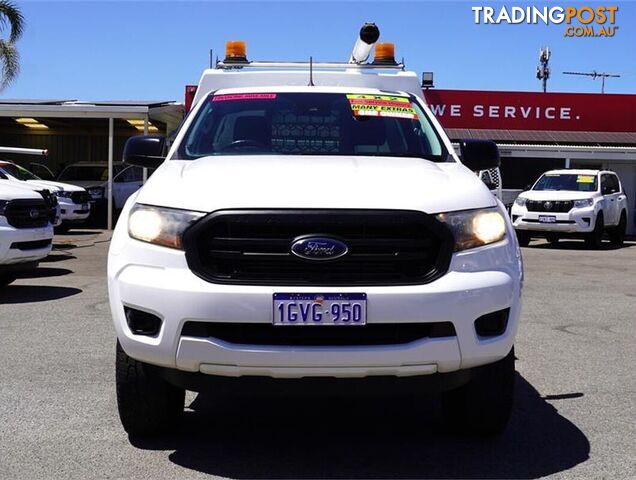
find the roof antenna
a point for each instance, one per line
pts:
(311, 72)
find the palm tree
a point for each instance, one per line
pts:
(10, 17)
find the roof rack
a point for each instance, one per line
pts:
(223, 65)
(236, 56)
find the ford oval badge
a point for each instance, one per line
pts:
(318, 248)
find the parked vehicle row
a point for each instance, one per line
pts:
(32, 208)
(572, 203)
(73, 200)
(27, 217)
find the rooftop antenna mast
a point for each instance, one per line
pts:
(543, 70)
(594, 74)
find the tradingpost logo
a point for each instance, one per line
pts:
(579, 21)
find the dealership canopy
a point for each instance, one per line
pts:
(38, 122)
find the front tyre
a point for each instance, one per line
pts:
(552, 238)
(483, 405)
(147, 404)
(523, 237)
(617, 233)
(594, 239)
(62, 228)
(6, 279)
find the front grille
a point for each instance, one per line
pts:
(561, 206)
(318, 335)
(80, 197)
(31, 245)
(385, 247)
(27, 213)
(51, 203)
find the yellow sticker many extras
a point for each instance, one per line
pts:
(585, 179)
(382, 106)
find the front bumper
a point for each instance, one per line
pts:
(157, 280)
(14, 251)
(577, 220)
(73, 212)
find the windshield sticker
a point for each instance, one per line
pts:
(585, 179)
(382, 106)
(244, 96)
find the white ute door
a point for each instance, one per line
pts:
(609, 190)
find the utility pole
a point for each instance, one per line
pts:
(543, 70)
(594, 74)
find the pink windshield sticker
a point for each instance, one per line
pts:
(244, 96)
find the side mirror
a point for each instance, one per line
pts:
(479, 154)
(144, 151)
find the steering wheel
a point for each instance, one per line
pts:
(244, 143)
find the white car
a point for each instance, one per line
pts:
(26, 231)
(73, 200)
(572, 203)
(326, 231)
(93, 176)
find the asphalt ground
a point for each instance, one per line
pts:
(574, 416)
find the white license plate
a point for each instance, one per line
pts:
(320, 309)
(547, 219)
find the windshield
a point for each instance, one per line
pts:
(87, 173)
(18, 172)
(570, 181)
(311, 124)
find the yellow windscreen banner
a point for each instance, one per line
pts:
(382, 106)
(585, 179)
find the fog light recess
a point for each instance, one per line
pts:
(492, 324)
(142, 323)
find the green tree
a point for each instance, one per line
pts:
(12, 20)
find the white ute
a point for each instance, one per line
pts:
(26, 232)
(73, 200)
(572, 203)
(313, 222)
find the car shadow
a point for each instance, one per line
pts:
(43, 272)
(357, 437)
(14, 294)
(57, 256)
(63, 246)
(78, 233)
(578, 245)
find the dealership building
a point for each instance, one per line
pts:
(541, 131)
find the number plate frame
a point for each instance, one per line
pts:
(306, 313)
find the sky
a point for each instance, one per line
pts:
(148, 50)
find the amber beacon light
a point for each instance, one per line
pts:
(384, 54)
(235, 51)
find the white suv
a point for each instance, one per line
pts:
(572, 203)
(26, 232)
(326, 231)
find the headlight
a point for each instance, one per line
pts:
(521, 201)
(474, 228)
(159, 225)
(96, 192)
(63, 194)
(587, 202)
